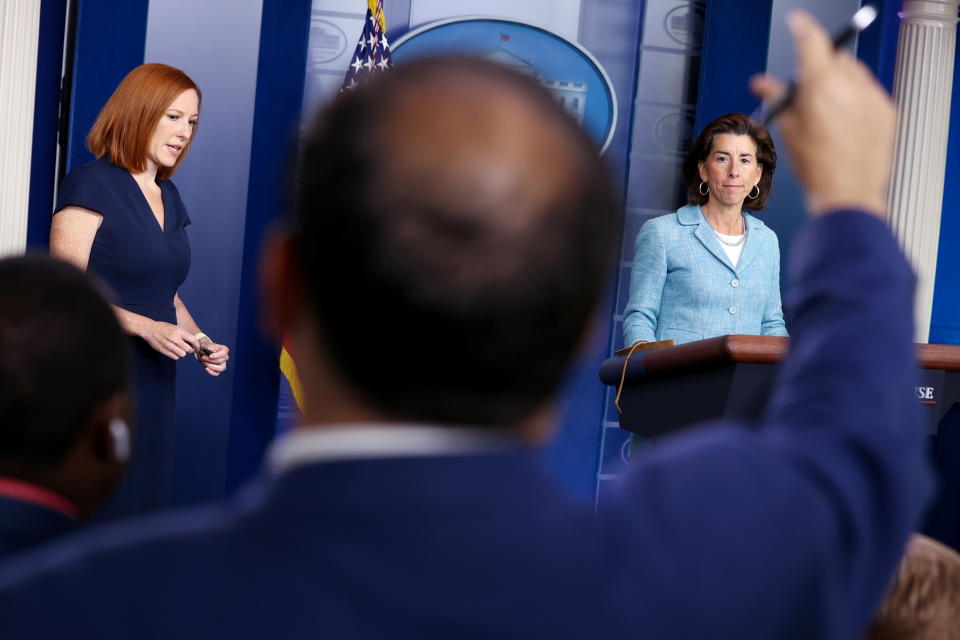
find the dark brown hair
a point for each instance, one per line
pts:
(737, 124)
(123, 128)
(59, 339)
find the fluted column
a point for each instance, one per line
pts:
(922, 87)
(19, 33)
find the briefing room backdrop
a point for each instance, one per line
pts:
(674, 65)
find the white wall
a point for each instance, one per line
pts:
(559, 16)
(19, 36)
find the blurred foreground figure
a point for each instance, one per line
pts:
(924, 600)
(64, 440)
(454, 234)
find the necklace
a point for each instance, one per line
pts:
(735, 243)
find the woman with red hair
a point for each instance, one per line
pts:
(122, 218)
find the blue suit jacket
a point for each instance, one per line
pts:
(25, 524)
(682, 285)
(789, 530)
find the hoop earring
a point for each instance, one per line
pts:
(751, 197)
(700, 188)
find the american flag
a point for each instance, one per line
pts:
(372, 54)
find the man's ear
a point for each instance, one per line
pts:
(281, 285)
(109, 435)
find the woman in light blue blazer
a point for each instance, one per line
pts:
(711, 269)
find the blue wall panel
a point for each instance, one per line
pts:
(46, 121)
(279, 94)
(786, 212)
(110, 41)
(214, 42)
(734, 48)
(943, 521)
(877, 46)
(945, 321)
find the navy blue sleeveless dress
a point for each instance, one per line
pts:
(144, 265)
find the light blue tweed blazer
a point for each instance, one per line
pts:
(682, 285)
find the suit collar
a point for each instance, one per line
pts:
(751, 245)
(403, 485)
(34, 494)
(310, 444)
(704, 233)
(692, 214)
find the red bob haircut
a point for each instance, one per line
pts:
(125, 124)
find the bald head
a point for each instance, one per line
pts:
(455, 228)
(475, 168)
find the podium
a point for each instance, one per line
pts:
(731, 377)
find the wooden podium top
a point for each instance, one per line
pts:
(715, 352)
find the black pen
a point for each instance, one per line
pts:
(862, 19)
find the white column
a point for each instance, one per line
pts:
(19, 35)
(922, 87)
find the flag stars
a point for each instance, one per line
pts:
(372, 53)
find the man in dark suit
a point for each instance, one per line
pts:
(63, 400)
(455, 228)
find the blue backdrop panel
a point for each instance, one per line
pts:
(110, 42)
(945, 321)
(944, 519)
(46, 121)
(734, 48)
(217, 48)
(877, 46)
(786, 211)
(284, 33)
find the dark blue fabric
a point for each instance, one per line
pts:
(790, 530)
(144, 265)
(282, 65)
(25, 524)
